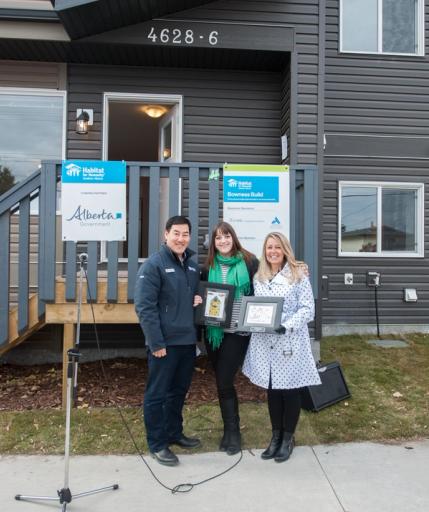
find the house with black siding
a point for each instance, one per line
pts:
(336, 89)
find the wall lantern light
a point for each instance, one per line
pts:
(84, 118)
(154, 111)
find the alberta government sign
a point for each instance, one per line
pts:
(93, 200)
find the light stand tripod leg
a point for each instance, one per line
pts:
(64, 495)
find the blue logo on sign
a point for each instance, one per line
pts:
(93, 171)
(251, 189)
(275, 221)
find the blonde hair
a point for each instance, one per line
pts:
(296, 268)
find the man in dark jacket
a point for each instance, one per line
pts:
(164, 295)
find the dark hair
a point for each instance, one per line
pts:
(177, 219)
(226, 229)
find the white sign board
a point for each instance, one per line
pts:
(256, 202)
(93, 200)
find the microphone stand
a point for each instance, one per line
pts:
(64, 495)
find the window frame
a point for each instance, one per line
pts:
(380, 185)
(30, 91)
(420, 25)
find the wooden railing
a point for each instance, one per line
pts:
(191, 191)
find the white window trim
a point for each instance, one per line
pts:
(172, 99)
(419, 187)
(420, 52)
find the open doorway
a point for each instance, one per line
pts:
(143, 128)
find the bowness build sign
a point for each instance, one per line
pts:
(93, 200)
(251, 189)
(256, 201)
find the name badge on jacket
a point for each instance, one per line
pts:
(168, 270)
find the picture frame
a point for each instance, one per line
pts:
(216, 308)
(260, 314)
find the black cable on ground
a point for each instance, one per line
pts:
(179, 488)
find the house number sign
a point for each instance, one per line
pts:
(179, 36)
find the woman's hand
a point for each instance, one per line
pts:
(197, 300)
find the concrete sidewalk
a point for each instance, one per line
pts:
(353, 477)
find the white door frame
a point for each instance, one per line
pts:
(168, 99)
(172, 99)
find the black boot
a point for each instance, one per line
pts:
(232, 437)
(286, 448)
(224, 441)
(273, 447)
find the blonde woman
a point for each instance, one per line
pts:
(283, 363)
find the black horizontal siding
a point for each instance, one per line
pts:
(228, 116)
(376, 116)
(374, 94)
(355, 304)
(303, 16)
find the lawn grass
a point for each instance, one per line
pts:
(390, 402)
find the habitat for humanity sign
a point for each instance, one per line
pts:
(256, 202)
(93, 199)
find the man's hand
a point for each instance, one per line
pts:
(197, 300)
(162, 352)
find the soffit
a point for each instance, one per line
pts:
(132, 55)
(83, 18)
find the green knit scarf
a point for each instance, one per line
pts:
(238, 276)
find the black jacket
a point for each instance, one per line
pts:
(164, 296)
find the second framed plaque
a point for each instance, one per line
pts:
(216, 308)
(260, 314)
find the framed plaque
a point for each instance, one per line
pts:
(260, 314)
(216, 308)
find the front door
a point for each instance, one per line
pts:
(143, 128)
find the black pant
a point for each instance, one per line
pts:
(168, 382)
(226, 360)
(284, 406)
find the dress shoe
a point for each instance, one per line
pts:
(186, 442)
(274, 445)
(286, 448)
(165, 457)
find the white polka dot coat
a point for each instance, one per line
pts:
(286, 357)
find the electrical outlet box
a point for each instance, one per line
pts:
(373, 279)
(348, 278)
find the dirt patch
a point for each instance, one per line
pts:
(39, 387)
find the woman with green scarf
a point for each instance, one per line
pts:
(228, 263)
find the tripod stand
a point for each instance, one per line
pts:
(64, 495)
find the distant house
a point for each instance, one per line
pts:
(343, 84)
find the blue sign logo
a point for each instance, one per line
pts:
(275, 221)
(251, 189)
(93, 171)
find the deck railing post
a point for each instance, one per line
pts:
(47, 220)
(23, 263)
(134, 225)
(154, 184)
(213, 199)
(4, 281)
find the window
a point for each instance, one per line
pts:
(382, 26)
(33, 127)
(380, 219)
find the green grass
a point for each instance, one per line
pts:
(390, 402)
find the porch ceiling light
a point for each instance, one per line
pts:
(154, 111)
(84, 118)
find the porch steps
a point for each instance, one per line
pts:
(34, 324)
